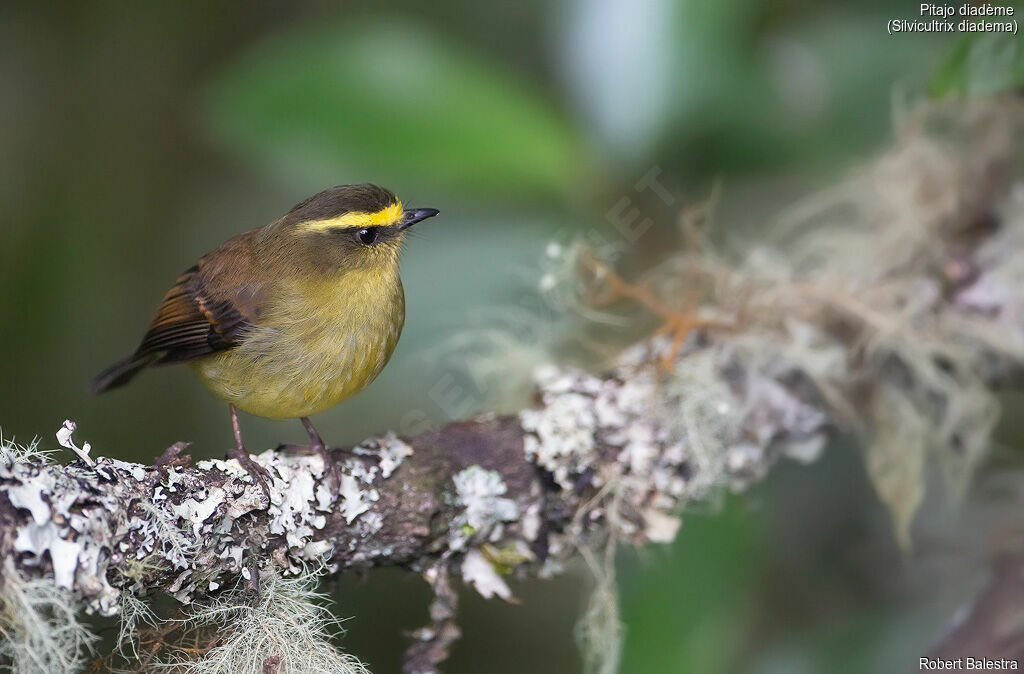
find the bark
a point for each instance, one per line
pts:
(597, 457)
(992, 627)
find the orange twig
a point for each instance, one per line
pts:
(677, 323)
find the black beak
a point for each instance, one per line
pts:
(414, 215)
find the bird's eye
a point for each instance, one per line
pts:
(367, 236)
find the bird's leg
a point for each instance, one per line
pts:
(314, 438)
(317, 445)
(241, 454)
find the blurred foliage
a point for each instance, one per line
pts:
(138, 136)
(391, 101)
(981, 64)
(676, 626)
(746, 85)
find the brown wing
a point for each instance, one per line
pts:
(209, 309)
(193, 322)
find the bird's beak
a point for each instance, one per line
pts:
(414, 215)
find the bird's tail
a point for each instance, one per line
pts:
(120, 373)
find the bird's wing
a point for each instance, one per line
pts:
(211, 307)
(193, 321)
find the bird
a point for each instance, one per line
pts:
(287, 320)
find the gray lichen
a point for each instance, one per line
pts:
(99, 527)
(480, 494)
(905, 352)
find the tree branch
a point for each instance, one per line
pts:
(598, 457)
(993, 626)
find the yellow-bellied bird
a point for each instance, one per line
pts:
(289, 319)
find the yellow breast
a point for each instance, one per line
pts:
(316, 344)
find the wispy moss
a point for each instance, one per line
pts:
(287, 629)
(40, 632)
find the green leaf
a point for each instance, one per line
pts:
(394, 103)
(980, 64)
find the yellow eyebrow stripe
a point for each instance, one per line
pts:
(385, 216)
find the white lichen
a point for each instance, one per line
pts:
(64, 438)
(481, 494)
(479, 572)
(295, 510)
(560, 433)
(352, 502)
(389, 450)
(159, 529)
(197, 512)
(660, 527)
(58, 535)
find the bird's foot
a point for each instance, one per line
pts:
(330, 464)
(258, 473)
(318, 446)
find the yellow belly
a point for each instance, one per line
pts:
(317, 348)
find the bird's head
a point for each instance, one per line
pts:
(351, 227)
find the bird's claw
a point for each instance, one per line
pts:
(331, 468)
(258, 472)
(330, 465)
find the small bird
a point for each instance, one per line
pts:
(289, 319)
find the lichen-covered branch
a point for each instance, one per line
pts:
(992, 627)
(903, 346)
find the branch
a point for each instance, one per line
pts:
(928, 328)
(991, 628)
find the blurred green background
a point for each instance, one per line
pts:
(137, 136)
